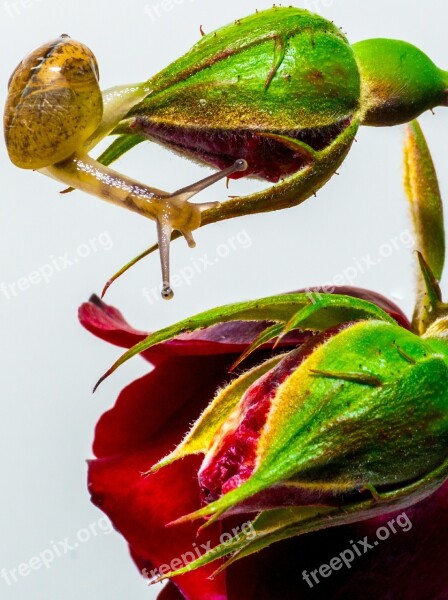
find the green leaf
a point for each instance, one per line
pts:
(119, 146)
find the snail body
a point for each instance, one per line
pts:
(55, 113)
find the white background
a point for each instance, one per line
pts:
(49, 363)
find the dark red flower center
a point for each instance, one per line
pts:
(267, 158)
(234, 462)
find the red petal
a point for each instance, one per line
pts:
(107, 323)
(153, 404)
(233, 460)
(151, 416)
(170, 592)
(140, 506)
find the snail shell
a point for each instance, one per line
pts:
(54, 104)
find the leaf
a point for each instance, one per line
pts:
(120, 146)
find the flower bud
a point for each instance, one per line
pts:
(365, 407)
(399, 82)
(271, 88)
(279, 86)
(284, 90)
(351, 424)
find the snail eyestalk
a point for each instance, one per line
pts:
(181, 199)
(172, 212)
(55, 113)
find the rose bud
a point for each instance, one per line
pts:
(355, 421)
(151, 416)
(284, 90)
(273, 88)
(350, 425)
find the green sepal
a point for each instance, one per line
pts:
(277, 308)
(425, 201)
(248, 72)
(264, 525)
(276, 525)
(343, 305)
(269, 334)
(131, 263)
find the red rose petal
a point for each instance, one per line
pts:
(153, 404)
(108, 323)
(149, 419)
(234, 460)
(170, 592)
(140, 506)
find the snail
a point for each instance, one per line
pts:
(55, 113)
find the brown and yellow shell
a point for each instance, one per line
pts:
(54, 104)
